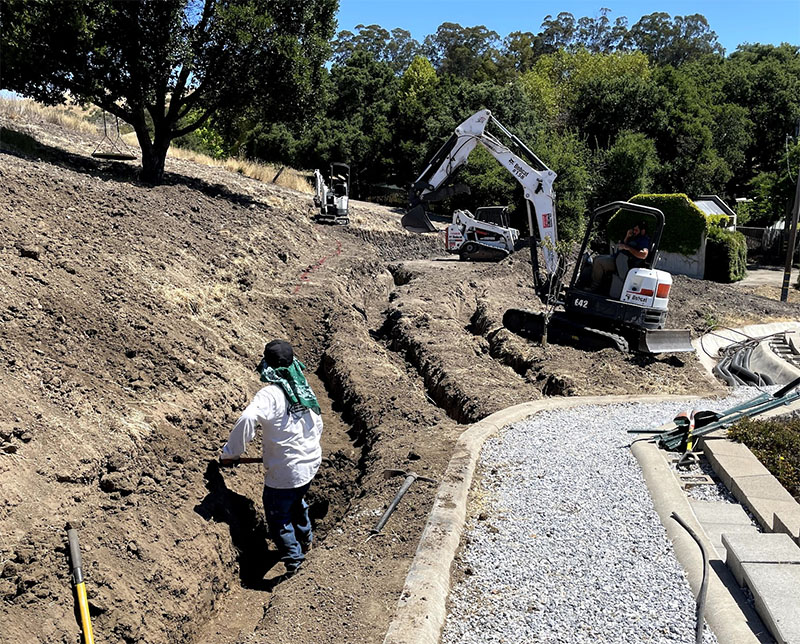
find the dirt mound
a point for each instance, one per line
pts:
(132, 318)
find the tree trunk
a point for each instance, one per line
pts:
(154, 153)
(153, 165)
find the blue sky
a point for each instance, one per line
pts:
(734, 21)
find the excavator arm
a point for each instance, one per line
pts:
(533, 175)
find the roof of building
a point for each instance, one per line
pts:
(713, 205)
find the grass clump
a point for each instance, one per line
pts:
(776, 443)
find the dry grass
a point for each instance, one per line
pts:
(71, 117)
(289, 178)
(75, 118)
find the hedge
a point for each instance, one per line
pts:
(726, 255)
(684, 223)
(776, 443)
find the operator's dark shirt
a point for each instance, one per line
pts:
(640, 242)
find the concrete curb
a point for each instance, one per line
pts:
(726, 611)
(422, 607)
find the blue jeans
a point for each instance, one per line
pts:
(288, 522)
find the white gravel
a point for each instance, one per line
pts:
(564, 544)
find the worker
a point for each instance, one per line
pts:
(289, 416)
(636, 245)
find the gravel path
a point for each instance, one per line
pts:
(564, 544)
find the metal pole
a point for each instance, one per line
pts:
(787, 273)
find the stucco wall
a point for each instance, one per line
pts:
(677, 264)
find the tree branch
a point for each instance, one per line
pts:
(192, 127)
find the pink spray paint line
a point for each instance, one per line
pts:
(305, 274)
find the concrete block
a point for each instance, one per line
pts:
(725, 447)
(787, 521)
(758, 548)
(718, 518)
(776, 590)
(763, 496)
(729, 467)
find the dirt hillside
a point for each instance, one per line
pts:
(131, 319)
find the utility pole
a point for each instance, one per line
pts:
(787, 272)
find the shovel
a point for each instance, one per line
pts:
(410, 478)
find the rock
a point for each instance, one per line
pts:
(31, 251)
(117, 482)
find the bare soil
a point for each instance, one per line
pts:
(131, 319)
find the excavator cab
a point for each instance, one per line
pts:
(602, 239)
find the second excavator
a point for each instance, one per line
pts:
(628, 309)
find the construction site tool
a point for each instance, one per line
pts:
(676, 439)
(80, 587)
(112, 149)
(243, 459)
(410, 478)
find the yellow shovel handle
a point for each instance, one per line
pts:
(86, 619)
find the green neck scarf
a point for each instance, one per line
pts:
(294, 385)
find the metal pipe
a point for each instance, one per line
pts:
(410, 478)
(404, 488)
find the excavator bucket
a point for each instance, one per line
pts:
(416, 220)
(665, 341)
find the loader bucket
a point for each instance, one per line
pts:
(665, 341)
(416, 221)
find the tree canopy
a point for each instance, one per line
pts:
(168, 66)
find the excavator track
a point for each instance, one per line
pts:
(562, 330)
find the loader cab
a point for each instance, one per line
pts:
(497, 215)
(633, 295)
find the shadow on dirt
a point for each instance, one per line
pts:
(25, 146)
(247, 528)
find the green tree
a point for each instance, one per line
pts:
(628, 168)
(167, 66)
(682, 127)
(395, 47)
(764, 80)
(465, 52)
(416, 101)
(773, 191)
(598, 35)
(673, 41)
(358, 125)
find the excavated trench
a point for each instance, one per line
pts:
(372, 393)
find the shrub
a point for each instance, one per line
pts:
(684, 223)
(726, 255)
(718, 221)
(776, 443)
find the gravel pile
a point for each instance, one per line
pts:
(564, 544)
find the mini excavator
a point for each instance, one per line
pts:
(333, 200)
(628, 312)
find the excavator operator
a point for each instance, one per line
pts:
(636, 245)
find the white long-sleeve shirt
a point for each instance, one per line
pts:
(290, 443)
